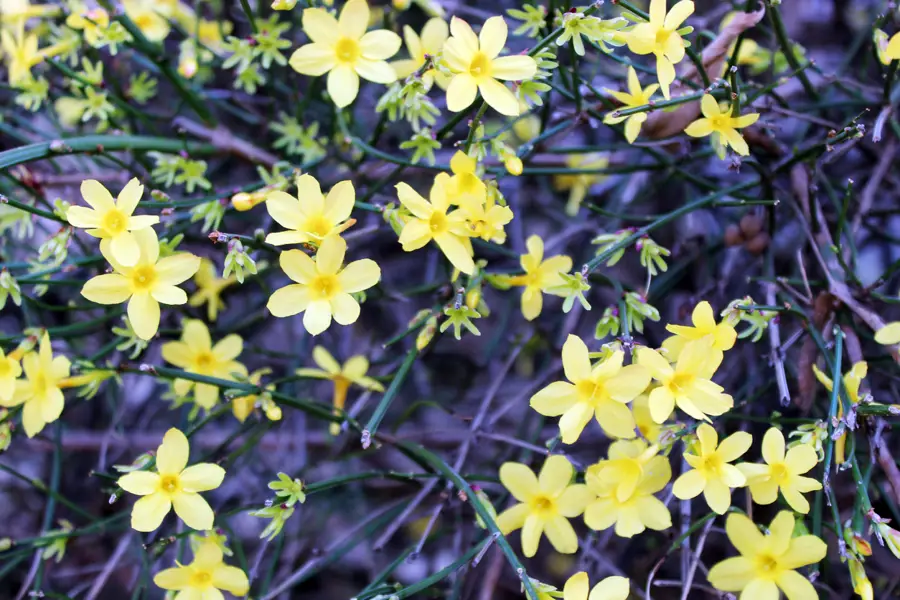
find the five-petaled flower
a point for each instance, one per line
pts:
(723, 125)
(721, 336)
(173, 485)
(711, 472)
(782, 472)
(541, 276)
(546, 503)
(342, 48)
(209, 289)
(311, 216)
(635, 96)
(578, 587)
(40, 390)
(203, 577)
(852, 380)
(660, 37)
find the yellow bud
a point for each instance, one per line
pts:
(283, 5)
(473, 298)
(426, 334)
(513, 165)
(401, 4)
(243, 201)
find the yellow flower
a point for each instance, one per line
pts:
(430, 44)
(540, 276)
(711, 472)
(602, 391)
(353, 371)
(195, 353)
(660, 37)
(322, 287)
(21, 53)
(721, 336)
(688, 385)
(431, 221)
(610, 588)
(624, 486)
(148, 283)
(888, 335)
(343, 49)
(546, 503)
(242, 406)
(209, 33)
(112, 220)
(643, 420)
(485, 219)
(892, 51)
(578, 184)
(204, 576)
(782, 472)
(477, 66)
(173, 485)
(852, 379)
(723, 124)
(465, 180)
(209, 289)
(767, 562)
(93, 24)
(9, 372)
(310, 217)
(636, 96)
(145, 15)
(40, 390)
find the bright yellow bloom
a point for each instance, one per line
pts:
(486, 219)
(852, 380)
(93, 24)
(242, 406)
(721, 336)
(624, 486)
(195, 353)
(9, 372)
(643, 420)
(636, 96)
(40, 390)
(148, 283)
(465, 180)
(610, 588)
(579, 184)
(430, 44)
(310, 217)
(322, 287)
(352, 372)
(723, 124)
(782, 472)
(660, 37)
(602, 391)
(431, 221)
(342, 48)
(889, 335)
(112, 220)
(767, 562)
(892, 51)
(477, 66)
(202, 578)
(688, 385)
(21, 53)
(711, 472)
(145, 15)
(209, 289)
(209, 33)
(174, 484)
(546, 503)
(540, 276)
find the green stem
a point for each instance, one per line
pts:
(389, 395)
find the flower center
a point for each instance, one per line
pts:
(766, 564)
(543, 505)
(662, 36)
(681, 382)
(712, 463)
(480, 65)
(437, 222)
(588, 390)
(169, 484)
(5, 368)
(324, 287)
(114, 221)
(201, 579)
(204, 361)
(40, 384)
(779, 473)
(347, 50)
(317, 226)
(143, 278)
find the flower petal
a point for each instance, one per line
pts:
(80, 216)
(493, 36)
(110, 288)
(231, 579)
(354, 19)
(317, 317)
(773, 446)
(556, 474)
(732, 574)
(380, 45)
(140, 483)
(359, 275)
(689, 485)
(744, 534)
(513, 68)
(289, 300)
(297, 265)
(129, 196)
(143, 313)
(555, 399)
(343, 84)
(177, 268)
(498, 97)
(513, 518)
(461, 92)
(169, 294)
(561, 535)
(177, 578)
(378, 71)
(345, 309)
(148, 512)
(202, 477)
(320, 26)
(193, 510)
(96, 195)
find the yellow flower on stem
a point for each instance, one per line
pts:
(202, 578)
(892, 50)
(723, 124)
(660, 37)
(352, 372)
(610, 588)
(195, 353)
(421, 48)
(40, 391)
(10, 369)
(112, 220)
(624, 486)
(209, 289)
(643, 420)
(242, 406)
(93, 24)
(485, 219)
(852, 380)
(546, 503)
(342, 48)
(431, 222)
(711, 472)
(21, 53)
(782, 472)
(174, 484)
(150, 282)
(721, 336)
(767, 562)
(322, 287)
(465, 180)
(145, 15)
(602, 391)
(634, 97)
(688, 385)
(579, 184)
(310, 217)
(888, 335)
(540, 276)
(477, 67)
